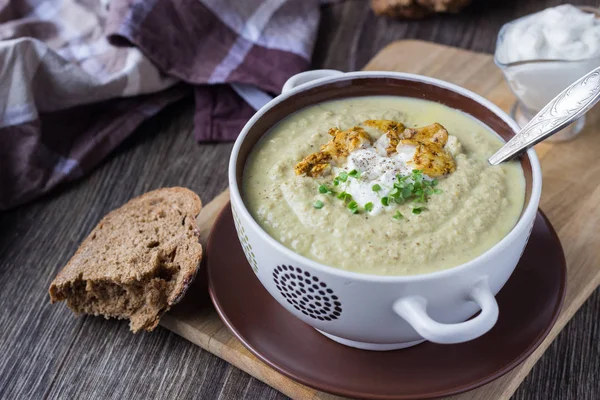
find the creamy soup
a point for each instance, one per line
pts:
(383, 185)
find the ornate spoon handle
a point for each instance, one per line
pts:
(565, 108)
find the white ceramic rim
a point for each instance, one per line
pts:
(523, 223)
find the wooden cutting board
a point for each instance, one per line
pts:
(571, 189)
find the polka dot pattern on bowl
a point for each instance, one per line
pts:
(307, 293)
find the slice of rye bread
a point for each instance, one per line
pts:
(137, 262)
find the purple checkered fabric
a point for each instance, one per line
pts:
(78, 76)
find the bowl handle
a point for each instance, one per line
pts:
(307, 76)
(414, 310)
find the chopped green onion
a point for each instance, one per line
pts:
(325, 190)
(410, 187)
(344, 196)
(354, 173)
(417, 176)
(406, 193)
(413, 187)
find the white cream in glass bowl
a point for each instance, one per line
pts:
(543, 53)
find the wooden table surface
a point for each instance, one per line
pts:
(46, 353)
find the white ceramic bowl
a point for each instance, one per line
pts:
(370, 311)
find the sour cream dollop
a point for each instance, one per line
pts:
(375, 168)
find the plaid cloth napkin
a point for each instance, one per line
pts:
(78, 76)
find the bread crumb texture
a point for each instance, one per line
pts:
(137, 262)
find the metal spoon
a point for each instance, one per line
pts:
(565, 108)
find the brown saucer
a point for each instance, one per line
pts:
(529, 305)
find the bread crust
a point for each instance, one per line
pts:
(147, 247)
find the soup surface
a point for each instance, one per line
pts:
(383, 185)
